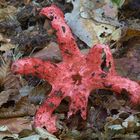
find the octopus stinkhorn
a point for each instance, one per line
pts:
(76, 76)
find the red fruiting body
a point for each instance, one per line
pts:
(76, 76)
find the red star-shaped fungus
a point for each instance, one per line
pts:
(75, 76)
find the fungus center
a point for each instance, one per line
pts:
(77, 79)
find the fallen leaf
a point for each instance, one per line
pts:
(6, 135)
(39, 93)
(7, 12)
(26, 2)
(32, 137)
(16, 125)
(9, 83)
(44, 134)
(3, 39)
(129, 65)
(6, 47)
(50, 52)
(3, 71)
(91, 27)
(4, 96)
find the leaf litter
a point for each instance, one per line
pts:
(109, 116)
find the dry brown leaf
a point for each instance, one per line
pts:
(2, 3)
(9, 83)
(16, 125)
(7, 79)
(7, 12)
(3, 39)
(22, 108)
(3, 72)
(38, 94)
(44, 134)
(113, 103)
(130, 33)
(129, 65)
(4, 96)
(94, 21)
(7, 46)
(48, 28)
(27, 1)
(50, 52)
(4, 135)
(25, 107)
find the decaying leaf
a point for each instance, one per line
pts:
(9, 83)
(2, 3)
(8, 79)
(27, 2)
(129, 65)
(46, 135)
(31, 41)
(50, 52)
(4, 39)
(8, 135)
(3, 72)
(38, 94)
(127, 136)
(4, 96)
(7, 12)
(32, 137)
(91, 27)
(123, 123)
(16, 125)
(7, 46)
(77, 135)
(22, 108)
(25, 107)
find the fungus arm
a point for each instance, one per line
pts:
(119, 84)
(67, 44)
(36, 67)
(44, 116)
(94, 58)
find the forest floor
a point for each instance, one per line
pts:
(24, 33)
